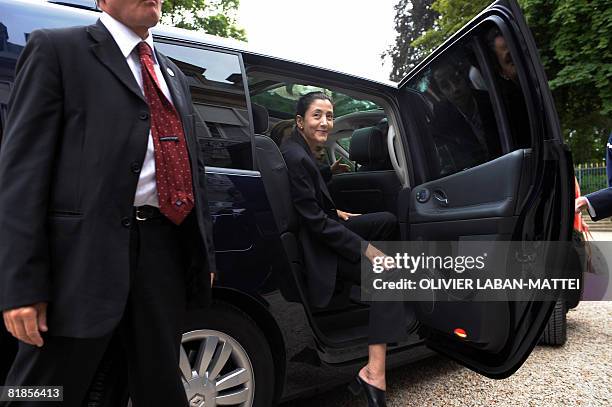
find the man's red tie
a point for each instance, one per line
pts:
(172, 170)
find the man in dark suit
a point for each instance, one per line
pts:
(464, 123)
(599, 203)
(104, 221)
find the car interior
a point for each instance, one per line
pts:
(468, 126)
(358, 138)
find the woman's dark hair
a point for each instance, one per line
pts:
(306, 100)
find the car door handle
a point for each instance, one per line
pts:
(441, 198)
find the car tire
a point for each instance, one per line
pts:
(237, 367)
(249, 367)
(555, 333)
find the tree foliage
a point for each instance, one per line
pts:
(412, 19)
(573, 37)
(216, 17)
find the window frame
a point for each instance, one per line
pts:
(198, 46)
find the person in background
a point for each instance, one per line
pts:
(464, 122)
(510, 87)
(599, 203)
(104, 218)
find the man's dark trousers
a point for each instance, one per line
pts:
(148, 336)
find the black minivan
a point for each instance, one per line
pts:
(467, 146)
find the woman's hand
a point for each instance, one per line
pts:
(338, 168)
(372, 253)
(345, 215)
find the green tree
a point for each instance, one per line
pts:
(412, 19)
(573, 38)
(216, 17)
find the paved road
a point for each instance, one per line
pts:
(577, 374)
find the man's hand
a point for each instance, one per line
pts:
(580, 204)
(212, 278)
(26, 323)
(337, 167)
(345, 215)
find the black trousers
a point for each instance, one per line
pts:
(387, 320)
(146, 342)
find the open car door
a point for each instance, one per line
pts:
(487, 162)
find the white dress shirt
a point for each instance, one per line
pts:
(127, 40)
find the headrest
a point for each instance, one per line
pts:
(369, 148)
(260, 118)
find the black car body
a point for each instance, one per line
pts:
(262, 340)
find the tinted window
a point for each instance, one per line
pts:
(462, 130)
(217, 91)
(505, 78)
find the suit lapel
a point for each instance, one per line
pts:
(174, 85)
(108, 52)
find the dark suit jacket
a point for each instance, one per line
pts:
(76, 135)
(601, 201)
(322, 235)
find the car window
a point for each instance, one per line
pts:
(351, 115)
(219, 101)
(462, 125)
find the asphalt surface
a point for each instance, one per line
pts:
(576, 374)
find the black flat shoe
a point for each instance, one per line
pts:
(375, 396)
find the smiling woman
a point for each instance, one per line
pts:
(315, 118)
(334, 241)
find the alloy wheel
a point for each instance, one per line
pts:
(215, 370)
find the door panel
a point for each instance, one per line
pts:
(488, 164)
(493, 191)
(365, 192)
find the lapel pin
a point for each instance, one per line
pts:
(170, 72)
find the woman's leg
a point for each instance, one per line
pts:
(374, 226)
(374, 372)
(386, 318)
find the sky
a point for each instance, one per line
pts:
(343, 35)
